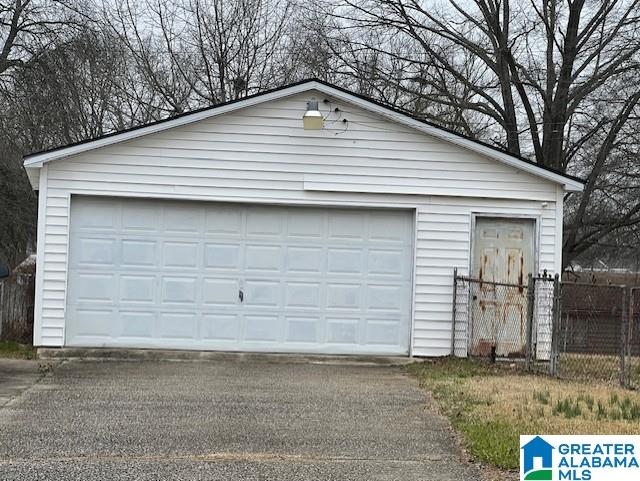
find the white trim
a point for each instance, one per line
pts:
(568, 184)
(66, 270)
(559, 227)
(40, 243)
(414, 281)
(357, 200)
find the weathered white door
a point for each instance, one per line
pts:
(503, 252)
(187, 275)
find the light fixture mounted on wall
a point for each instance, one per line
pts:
(312, 118)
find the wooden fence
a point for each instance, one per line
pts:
(17, 294)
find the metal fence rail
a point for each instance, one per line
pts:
(570, 330)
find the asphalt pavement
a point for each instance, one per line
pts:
(241, 419)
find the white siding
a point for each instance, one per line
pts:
(444, 242)
(262, 154)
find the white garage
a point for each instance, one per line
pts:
(243, 227)
(205, 275)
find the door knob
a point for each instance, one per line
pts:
(240, 295)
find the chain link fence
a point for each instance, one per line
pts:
(632, 365)
(591, 342)
(569, 330)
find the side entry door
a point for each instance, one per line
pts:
(503, 253)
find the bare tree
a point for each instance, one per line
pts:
(196, 52)
(552, 79)
(28, 29)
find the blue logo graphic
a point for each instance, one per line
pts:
(537, 448)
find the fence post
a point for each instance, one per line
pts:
(555, 327)
(531, 298)
(624, 320)
(453, 312)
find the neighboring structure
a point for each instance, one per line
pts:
(233, 228)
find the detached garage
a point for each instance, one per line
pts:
(277, 225)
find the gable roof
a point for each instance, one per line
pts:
(570, 183)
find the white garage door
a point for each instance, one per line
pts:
(169, 274)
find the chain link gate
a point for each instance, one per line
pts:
(498, 320)
(564, 329)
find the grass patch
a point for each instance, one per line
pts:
(543, 397)
(15, 350)
(492, 405)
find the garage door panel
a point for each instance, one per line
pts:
(261, 328)
(179, 290)
(95, 252)
(222, 256)
(265, 258)
(383, 332)
(169, 274)
(344, 296)
(224, 221)
(183, 255)
(262, 222)
(220, 327)
(94, 287)
(345, 261)
(304, 259)
(303, 329)
(140, 217)
(220, 292)
(384, 298)
(139, 253)
(304, 226)
(388, 262)
(343, 330)
(137, 288)
(303, 294)
(102, 322)
(182, 220)
(96, 215)
(391, 228)
(137, 324)
(262, 293)
(178, 325)
(346, 226)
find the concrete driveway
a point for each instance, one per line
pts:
(223, 420)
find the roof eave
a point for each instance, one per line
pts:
(569, 184)
(484, 150)
(38, 160)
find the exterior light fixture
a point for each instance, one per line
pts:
(312, 118)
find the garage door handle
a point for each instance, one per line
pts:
(240, 295)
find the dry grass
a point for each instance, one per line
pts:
(534, 399)
(492, 405)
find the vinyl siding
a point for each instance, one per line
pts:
(261, 154)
